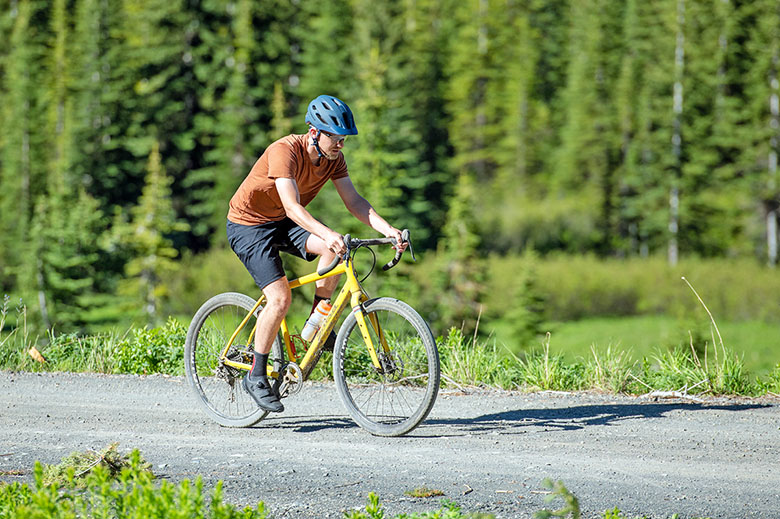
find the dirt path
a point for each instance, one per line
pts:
(488, 451)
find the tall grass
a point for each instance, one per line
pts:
(465, 361)
(137, 350)
(483, 364)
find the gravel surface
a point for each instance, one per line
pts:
(486, 450)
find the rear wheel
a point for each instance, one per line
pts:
(393, 399)
(218, 386)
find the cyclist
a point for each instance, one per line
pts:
(268, 214)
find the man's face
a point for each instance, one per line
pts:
(330, 144)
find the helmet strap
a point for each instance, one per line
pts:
(317, 144)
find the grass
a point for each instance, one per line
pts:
(757, 342)
(626, 355)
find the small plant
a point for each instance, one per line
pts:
(424, 492)
(449, 510)
(467, 362)
(75, 467)
(152, 350)
(571, 506)
(131, 492)
(548, 372)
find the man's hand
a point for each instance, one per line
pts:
(400, 244)
(335, 243)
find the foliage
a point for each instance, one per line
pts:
(152, 350)
(129, 492)
(449, 510)
(424, 492)
(570, 508)
(75, 467)
(620, 129)
(146, 235)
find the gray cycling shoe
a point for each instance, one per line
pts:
(262, 393)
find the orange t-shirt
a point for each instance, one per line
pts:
(256, 201)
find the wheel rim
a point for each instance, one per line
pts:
(398, 392)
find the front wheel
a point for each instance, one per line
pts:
(218, 386)
(392, 399)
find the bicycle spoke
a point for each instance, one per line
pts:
(393, 399)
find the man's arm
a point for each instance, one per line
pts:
(363, 210)
(291, 200)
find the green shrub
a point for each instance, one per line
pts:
(131, 492)
(152, 350)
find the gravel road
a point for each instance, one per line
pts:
(486, 450)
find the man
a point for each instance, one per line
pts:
(268, 214)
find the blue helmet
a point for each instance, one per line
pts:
(329, 114)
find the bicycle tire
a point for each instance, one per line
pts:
(218, 387)
(395, 400)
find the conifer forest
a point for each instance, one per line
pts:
(490, 128)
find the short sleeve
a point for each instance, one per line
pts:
(282, 162)
(340, 171)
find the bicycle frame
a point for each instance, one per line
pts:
(351, 293)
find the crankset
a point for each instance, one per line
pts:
(291, 380)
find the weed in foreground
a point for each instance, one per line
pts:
(104, 492)
(424, 492)
(74, 467)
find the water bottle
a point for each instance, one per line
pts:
(315, 320)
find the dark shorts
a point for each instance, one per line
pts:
(258, 247)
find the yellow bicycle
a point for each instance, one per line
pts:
(385, 361)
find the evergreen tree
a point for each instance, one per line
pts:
(587, 160)
(152, 99)
(281, 125)
(459, 285)
(62, 256)
(645, 105)
(325, 37)
(709, 202)
(22, 178)
(762, 145)
(148, 237)
(90, 82)
(59, 102)
(427, 38)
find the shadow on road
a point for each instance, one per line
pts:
(306, 424)
(578, 417)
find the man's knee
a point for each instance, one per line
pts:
(277, 296)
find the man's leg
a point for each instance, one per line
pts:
(277, 302)
(324, 287)
(277, 295)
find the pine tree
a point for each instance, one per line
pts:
(587, 160)
(382, 158)
(460, 282)
(147, 235)
(646, 120)
(90, 78)
(325, 37)
(152, 97)
(22, 178)
(59, 102)
(427, 38)
(762, 145)
(62, 258)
